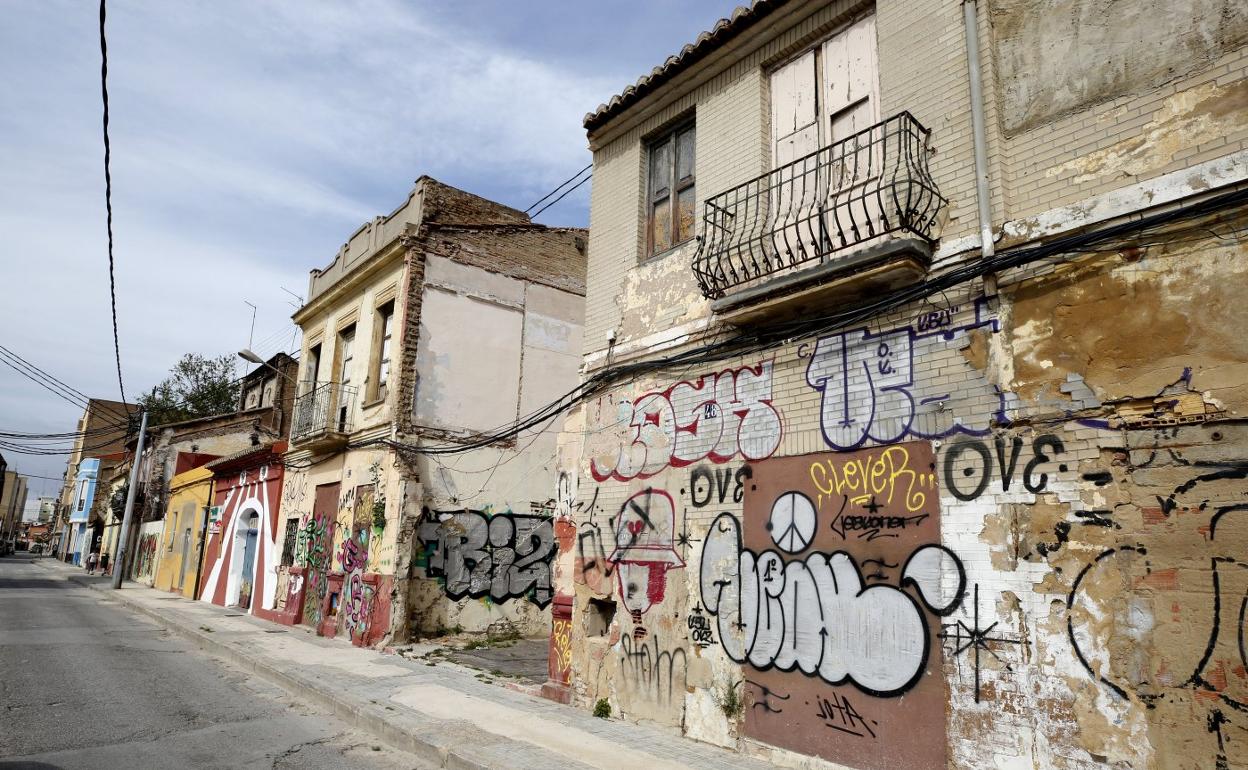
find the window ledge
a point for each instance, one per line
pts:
(662, 255)
(375, 402)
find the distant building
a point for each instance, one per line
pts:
(102, 431)
(81, 536)
(12, 504)
(262, 416)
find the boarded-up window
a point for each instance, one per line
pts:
(672, 192)
(826, 94)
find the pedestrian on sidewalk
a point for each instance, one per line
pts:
(92, 558)
(104, 564)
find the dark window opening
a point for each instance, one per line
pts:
(601, 613)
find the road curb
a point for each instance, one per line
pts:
(357, 713)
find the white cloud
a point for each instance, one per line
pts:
(249, 140)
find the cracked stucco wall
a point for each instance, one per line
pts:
(1107, 399)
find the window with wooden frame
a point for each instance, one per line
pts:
(383, 332)
(671, 195)
(312, 367)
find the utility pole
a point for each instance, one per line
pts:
(119, 558)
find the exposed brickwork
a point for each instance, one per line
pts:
(1083, 420)
(550, 256)
(447, 205)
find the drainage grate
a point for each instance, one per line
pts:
(274, 630)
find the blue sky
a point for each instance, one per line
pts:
(250, 139)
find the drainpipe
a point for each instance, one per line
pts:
(971, 20)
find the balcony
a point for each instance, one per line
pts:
(857, 216)
(322, 416)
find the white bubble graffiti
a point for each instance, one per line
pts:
(815, 615)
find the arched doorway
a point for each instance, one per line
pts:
(246, 541)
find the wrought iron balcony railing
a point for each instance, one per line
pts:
(867, 185)
(324, 410)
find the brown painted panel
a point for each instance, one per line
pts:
(840, 593)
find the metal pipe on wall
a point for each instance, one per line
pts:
(970, 17)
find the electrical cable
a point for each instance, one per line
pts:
(108, 198)
(557, 189)
(778, 334)
(535, 214)
(54, 384)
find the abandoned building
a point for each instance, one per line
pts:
(913, 434)
(433, 326)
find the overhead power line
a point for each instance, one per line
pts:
(562, 184)
(55, 385)
(108, 199)
(746, 342)
(561, 197)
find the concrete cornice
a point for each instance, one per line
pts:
(386, 257)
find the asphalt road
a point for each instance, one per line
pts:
(85, 683)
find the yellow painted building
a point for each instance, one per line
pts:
(178, 550)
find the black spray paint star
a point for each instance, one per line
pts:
(975, 638)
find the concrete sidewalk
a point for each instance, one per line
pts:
(441, 712)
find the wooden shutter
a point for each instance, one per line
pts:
(851, 80)
(795, 134)
(794, 110)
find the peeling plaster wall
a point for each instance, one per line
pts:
(759, 550)
(1074, 553)
(1058, 56)
(1082, 98)
(492, 348)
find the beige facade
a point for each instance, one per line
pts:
(440, 322)
(500, 337)
(892, 501)
(338, 466)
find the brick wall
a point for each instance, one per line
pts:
(1054, 447)
(1146, 131)
(1056, 579)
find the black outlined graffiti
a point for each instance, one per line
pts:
(709, 485)
(503, 556)
(566, 502)
(839, 714)
(872, 525)
(792, 615)
(974, 638)
(1227, 645)
(1214, 723)
(700, 628)
(870, 387)
(976, 476)
(765, 694)
(652, 668)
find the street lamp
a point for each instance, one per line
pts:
(247, 355)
